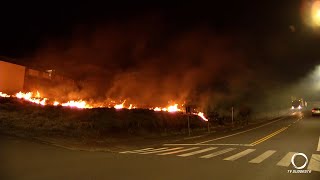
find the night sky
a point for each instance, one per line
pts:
(27, 27)
(266, 40)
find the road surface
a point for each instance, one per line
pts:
(260, 152)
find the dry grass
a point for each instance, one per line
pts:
(17, 115)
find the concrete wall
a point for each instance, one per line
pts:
(11, 77)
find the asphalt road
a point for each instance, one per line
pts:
(260, 152)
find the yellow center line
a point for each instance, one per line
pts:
(268, 136)
(241, 132)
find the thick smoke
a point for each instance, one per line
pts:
(149, 63)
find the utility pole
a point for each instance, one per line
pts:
(188, 112)
(189, 131)
(232, 116)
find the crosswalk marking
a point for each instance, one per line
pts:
(239, 155)
(179, 151)
(159, 151)
(314, 163)
(286, 160)
(318, 149)
(217, 153)
(143, 150)
(263, 156)
(197, 152)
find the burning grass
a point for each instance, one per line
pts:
(34, 118)
(37, 99)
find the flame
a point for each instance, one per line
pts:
(173, 108)
(37, 99)
(56, 103)
(4, 95)
(78, 104)
(25, 96)
(28, 97)
(38, 95)
(43, 101)
(200, 114)
(119, 106)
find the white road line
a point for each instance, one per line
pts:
(318, 149)
(159, 151)
(207, 145)
(239, 155)
(137, 150)
(286, 160)
(240, 132)
(179, 151)
(197, 152)
(314, 163)
(217, 153)
(144, 150)
(262, 157)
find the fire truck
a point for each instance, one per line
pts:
(298, 103)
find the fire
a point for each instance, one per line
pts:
(119, 106)
(25, 96)
(38, 95)
(173, 108)
(28, 97)
(56, 103)
(37, 99)
(200, 114)
(78, 104)
(4, 95)
(42, 102)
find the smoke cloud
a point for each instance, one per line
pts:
(151, 63)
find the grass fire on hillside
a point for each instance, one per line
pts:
(81, 104)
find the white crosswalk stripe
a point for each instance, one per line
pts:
(163, 150)
(239, 155)
(179, 151)
(197, 152)
(314, 163)
(142, 150)
(217, 153)
(286, 160)
(262, 157)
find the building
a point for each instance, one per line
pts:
(15, 78)
(12, 77)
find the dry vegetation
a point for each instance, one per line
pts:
(20, 116)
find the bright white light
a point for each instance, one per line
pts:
(315, 13)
